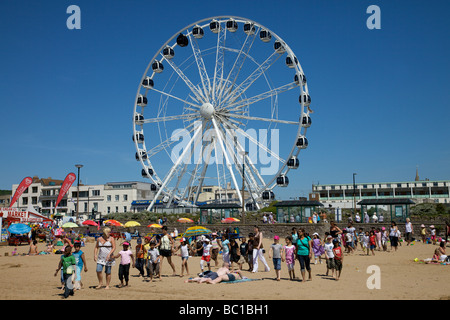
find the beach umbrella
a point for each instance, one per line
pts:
(154, 225)
(19, 228)
(196, 231)
(69, 225)
(185, 220)
(113, 223)
(230, 220)
(89, 223)
(132, 224)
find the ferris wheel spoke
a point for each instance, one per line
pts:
(197, 93)
(201, 66)
(265, 95)
(220, 57)
(168, 142)
(260, 145)
(189, 116)
(176, 98)
(239, 62)
(240, 116)
(228, 163)
(239, 90)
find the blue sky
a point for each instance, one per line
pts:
(380, 97)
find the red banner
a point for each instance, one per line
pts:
(70, 178)
(20, 189)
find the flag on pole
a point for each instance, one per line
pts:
(26, 182)
(68, 181)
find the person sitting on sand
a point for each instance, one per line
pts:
(33, 248)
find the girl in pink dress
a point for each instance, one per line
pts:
(288, 255)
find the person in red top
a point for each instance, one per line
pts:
(372, 242)
(338, 259)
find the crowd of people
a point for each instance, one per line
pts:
(238, 254)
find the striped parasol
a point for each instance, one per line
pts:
(196, 231)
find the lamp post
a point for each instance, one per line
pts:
(354, 194)
(244, 153)
(78, 166)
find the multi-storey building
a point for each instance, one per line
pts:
(94, 200)
(343, 195)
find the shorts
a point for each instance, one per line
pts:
(231, 277)
(331, 264)
(206, 258)
(350, 244)
(243, 259)
(394, 241)
(100, 268)
(214, 253)
(277, 263)
(408, 236)
(234, 258)
(372, 247)
(337, 265)
(165, 253)
(184, 258)
(211, 275)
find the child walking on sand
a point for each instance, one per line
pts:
(80, 263)
(366, 242)
(289, 256)
(67, 264)
(338, 259)
(372, 242)
(275, 248)
(184, 253)
(153, 261)
(329, 255)
(126, 257)
(317, 247)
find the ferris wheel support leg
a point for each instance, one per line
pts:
(230, 169)
(172, 171)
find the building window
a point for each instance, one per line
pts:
(35, 189)
(108, 197)
(33, 200)
(109, 210)
(365, 186)
(95, 192)
(125, 209)
(116, 198)
(125, 198)
(24, 201)
(117, 209)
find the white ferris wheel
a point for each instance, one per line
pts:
(230, 97)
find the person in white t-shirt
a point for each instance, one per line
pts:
(408, 231)
(329, 255)
(206, 256)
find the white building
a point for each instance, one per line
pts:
(341, 195)
(101, 199)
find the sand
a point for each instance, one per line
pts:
(32, 278)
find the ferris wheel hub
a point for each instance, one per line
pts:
(207, 110)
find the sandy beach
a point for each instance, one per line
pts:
(32, 278)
